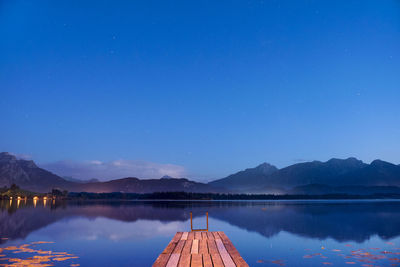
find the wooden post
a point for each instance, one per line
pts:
(207, 220)
(191, 221)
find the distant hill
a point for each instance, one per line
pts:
(315, 172)
(378, 173)
(27, 175)
(247, 179)
(333, 176)
(135, 185)
(338, 173)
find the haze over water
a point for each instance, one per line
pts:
(267, 233)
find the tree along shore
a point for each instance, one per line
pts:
(15, 192)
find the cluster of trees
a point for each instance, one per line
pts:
(15, 191)
(59, 193)
(3, 189)
(13, 187)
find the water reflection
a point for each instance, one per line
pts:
(355, 221)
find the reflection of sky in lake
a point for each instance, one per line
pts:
(103, 228)
(133, 234)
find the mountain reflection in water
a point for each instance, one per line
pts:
(342, 221)
(156, 221)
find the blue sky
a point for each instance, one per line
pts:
(208, 87)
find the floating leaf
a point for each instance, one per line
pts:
(278, 262)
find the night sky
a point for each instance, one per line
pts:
(200, 89)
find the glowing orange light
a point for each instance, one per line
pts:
(35, 199)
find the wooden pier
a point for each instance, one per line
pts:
(200, 249)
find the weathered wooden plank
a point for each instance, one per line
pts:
(191, 236)
(178, 248)
(197, 260)
(177, 237)
(203, 235)
(210, 235)
(212, 247)
(195, 247)
(227, 242)
(239, 261)
(173, 260)
(184, 236)
(222, 235)
(226, 258)
(184, 260)
(161, 261)
(217, 261)
(187, 247)
(207, 262)
(171, 246)
(197, 235)
(216, 235)
(203, 248)
(233, 252)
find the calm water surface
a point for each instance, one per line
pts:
(267, 233)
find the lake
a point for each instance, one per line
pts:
(266, 233)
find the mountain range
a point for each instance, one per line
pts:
(349, 176)
(333, 176)
(27, 175)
